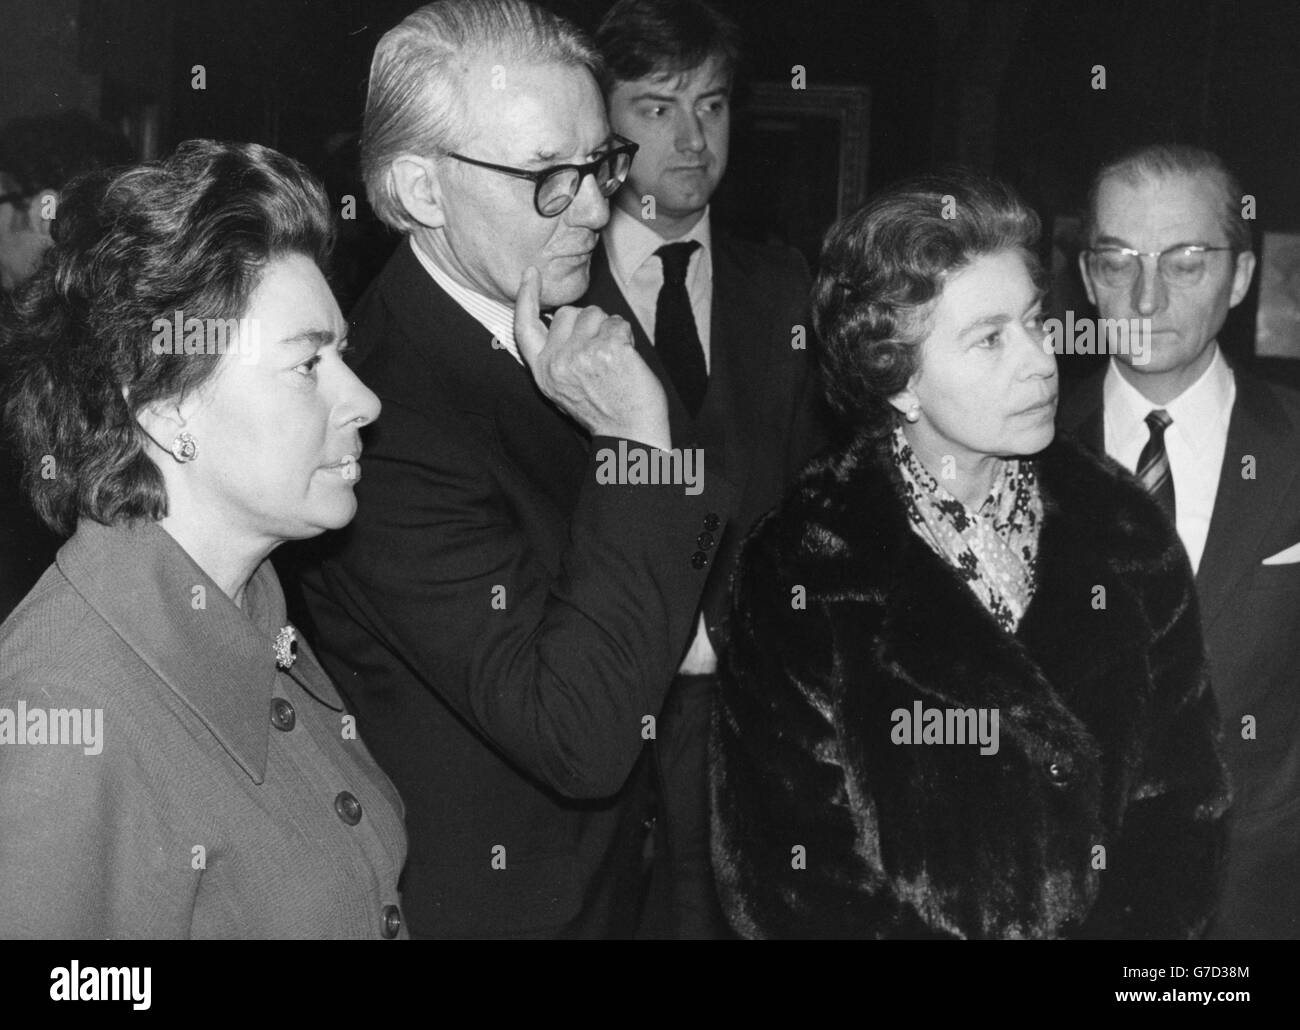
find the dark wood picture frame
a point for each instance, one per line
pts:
(798, 162)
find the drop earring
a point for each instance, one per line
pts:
(185, 447)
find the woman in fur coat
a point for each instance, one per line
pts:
(965, 693)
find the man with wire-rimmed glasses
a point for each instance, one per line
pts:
(504, 620)
(1219, 449)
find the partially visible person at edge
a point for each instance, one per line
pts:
(966, 675)
(1219, 447)
(38, 155)
(182, 767)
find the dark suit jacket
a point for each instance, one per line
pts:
(763, 416)
(1251, 617)
(503, 625)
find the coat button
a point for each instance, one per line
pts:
(711, 522)
(348, 808)
(704, 541)
(392, 922)
(699, 560)
(1059, 774)
(282, 715)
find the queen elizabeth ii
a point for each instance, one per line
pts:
(956, 565)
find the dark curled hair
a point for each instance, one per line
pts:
(640, 38)
(191, 233)
(882, 268)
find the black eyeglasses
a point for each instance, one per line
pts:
(1180, 267)
(556, 188)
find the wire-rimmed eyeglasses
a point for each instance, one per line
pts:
(1181, 266)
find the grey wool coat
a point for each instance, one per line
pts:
(223, 798)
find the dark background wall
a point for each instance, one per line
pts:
(1003, 85)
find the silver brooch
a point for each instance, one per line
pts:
(284, 649)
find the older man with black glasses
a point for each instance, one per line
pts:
(505, 615)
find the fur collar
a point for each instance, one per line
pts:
(1102, 698)
(1091, 507)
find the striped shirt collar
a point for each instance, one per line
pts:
(1199, 413)
(497, 318)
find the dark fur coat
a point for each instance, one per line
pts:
(823, 827)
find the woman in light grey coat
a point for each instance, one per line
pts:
(173, 760)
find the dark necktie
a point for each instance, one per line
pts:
(676, 338)
(1153, 463)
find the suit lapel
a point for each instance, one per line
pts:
(218, 659)
(544, 442)
(604, 292)
(1245, 508)
(738, 358)
(739, 340)
(479, 379)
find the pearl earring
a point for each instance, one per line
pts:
(913, 413)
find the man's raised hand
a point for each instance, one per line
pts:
(587, 364)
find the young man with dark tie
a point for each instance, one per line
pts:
(725, 326)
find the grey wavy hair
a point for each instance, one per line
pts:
(415, 103)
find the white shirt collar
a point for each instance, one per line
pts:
(497, 318)
(630, 242)
(1198, 412)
